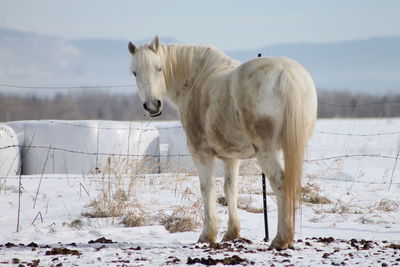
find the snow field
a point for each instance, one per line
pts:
(353, 197)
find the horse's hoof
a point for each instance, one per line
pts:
(279, 244)
(207, 240)
(231, 235)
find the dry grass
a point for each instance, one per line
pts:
(123, 185)
(315, 199)
(186, 217)
(74, 224)
(175, 165)
(320, 216)
(133, 220)
(251, 209)
(223, 202)
(310, 193)
(345, 207)
(179, 224)
(387, 205)
(339, 207)
(120, 193)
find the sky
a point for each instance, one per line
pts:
(228, 25)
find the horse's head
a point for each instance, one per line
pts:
(147, 67)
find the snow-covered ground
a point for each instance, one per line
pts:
(352, 194)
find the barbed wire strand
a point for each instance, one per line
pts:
(42, 102)
(180, 127)
(99, 178)
(352, 134)
(62, 87)
(120, 86)
(177, 155)
(359, 105)
(114, 128)
(90, 153)
(104, 86)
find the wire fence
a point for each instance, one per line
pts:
(179, 157)
(97, 153)
(98, 174)
(110, 86)
(99, 127)
(356, 105)
(182, 156)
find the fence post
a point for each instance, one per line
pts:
(19, 193)
(266, 239)
(395, 163)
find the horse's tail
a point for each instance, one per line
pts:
(294, 141)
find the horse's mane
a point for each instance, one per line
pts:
(193, 62)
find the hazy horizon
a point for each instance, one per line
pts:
(228, 25)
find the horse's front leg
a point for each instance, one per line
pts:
(204, 164)
(231, 167)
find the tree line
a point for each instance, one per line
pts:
(341, 104)
(128, 107)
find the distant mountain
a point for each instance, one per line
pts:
(42, 60)
(371, 65)
(107, 60)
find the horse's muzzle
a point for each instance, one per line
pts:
(153, 107)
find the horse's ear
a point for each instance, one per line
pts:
(132, 48)
(155, 44)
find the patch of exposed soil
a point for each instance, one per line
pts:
(101, 240)
(233, 260)
(63, 251)
(315, 251)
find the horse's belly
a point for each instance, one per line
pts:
(246, 153)
(229, 143)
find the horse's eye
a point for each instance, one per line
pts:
(159, 69)
(134, 73)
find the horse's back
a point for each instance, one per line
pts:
(260, 90)
(258, 71)
(271, 79)
(242, 110)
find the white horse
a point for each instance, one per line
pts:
(234, 111)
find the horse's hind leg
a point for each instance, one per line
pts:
(204, 164)
(231, 167)
(270, 165)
